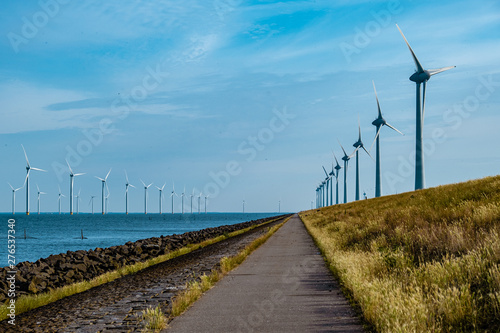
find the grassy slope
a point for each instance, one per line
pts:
(425, 261)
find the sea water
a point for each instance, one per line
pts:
(48, 234)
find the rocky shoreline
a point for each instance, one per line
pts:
(75, 266)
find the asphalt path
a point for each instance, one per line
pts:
(284, 286)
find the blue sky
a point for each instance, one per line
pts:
(243, 100)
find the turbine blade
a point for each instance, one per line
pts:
(99, 178)
(37, 188)
(106, 178)
(368, 154)
(326, 173)
(335, 157)
(142, 182)
(417, 63)
(131, 185)
(359, 129)
(378, 104)
(69, 167)
(11, 186)
(439, 70)
(39, 169)
(78, 174)
(150, 185)
(126, 176)
(376, 136)
(25, 155)
(354, 152)
(394, 128)
(345, 154)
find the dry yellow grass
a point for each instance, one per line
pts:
(425, 261)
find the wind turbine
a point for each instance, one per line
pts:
(59, 198)
(78, 201)
(172, 196)
(243, 206)
(27, 181)
(337, 169)
(192, 195)
(39, 193)
(146, 197)
(127, 184)
(421, 76)
(199, 200)
(103, 180)
(379, 123)
(206, 197)
(182, 198)
(161, 196)
(92, 201)
(71, 178)
(14, 190)
(327, 182)
(359, 145)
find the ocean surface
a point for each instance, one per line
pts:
(48, 234)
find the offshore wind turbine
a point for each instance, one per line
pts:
(14, 190)
(78, 202)
(359, 145)
(161, 197)
(103, 180)
(206, 197)
(192, 195)
(146, 197)
(107, 198)
(379, 123)
(182, 198)
(172, 196)
(420, 77)
(39, 193)
(127, 184)
(199, 200)
(27, 180)
(71, 179)
(92, 201)
(59, 198)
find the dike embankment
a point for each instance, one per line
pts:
(75, 266)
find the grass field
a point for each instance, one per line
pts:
(424, 261)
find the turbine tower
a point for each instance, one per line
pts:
(92, 201)
(206, 197)
(27, 181)
(182, 198)
(346, 159)
(146, 197)
(337, 169)
(39, 193)
(420, 77)
(161, 197)
(107, 198)
(379, 123)
(127, 184)
(192, 195)
(359, 145)
(199, 200)
(14, 190)
(78, 202)
(59, 198)
(103, 180)
(326, 181)
(71, 179)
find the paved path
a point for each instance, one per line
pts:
(284, 286)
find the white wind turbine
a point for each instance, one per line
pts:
(39, 193)
(161, 197)
(78, 202)
(146, 196)
(127, 184)
(14, 190)
(103, 180)
(192, 195)
(71, 178)
(199, 200)
(59, 198)
(27, 181)
(206, 197)
(92, 201)
(172, 196)
(421, 76)
(182, 199)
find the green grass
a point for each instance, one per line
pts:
(154, 320)
(424, 261)
(29, 302)
(195, 289)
